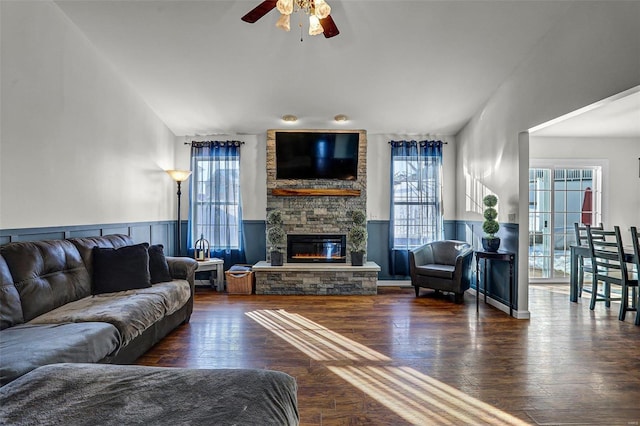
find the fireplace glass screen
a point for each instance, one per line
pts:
(316, 248)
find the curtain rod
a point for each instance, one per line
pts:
(189, 143)
(413, 140)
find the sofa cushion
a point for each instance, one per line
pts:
(131, 312)
(10, 307)
(85, 246)
(158, 266)
(26, 346)
(120, 269)
(439, 271)
(47, 274)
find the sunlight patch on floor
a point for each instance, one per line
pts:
(414, 396)
(316, 341)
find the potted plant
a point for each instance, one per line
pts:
(358, 237)
(490, 226)
(275, 237)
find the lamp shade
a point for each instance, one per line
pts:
(285, 6)
(179, 175)
(284, 22)
(322, 9)
(314, 25)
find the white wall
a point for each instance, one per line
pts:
(77, 144)
(590, 55)
(621, 183)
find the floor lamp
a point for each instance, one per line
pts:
(179, 176)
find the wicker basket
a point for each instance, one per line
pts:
(239, 282)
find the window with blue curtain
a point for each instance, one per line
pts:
(416, 199)
(215, 204)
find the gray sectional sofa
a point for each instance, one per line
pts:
(69, 308)
(49, 314)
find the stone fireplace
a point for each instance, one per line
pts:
(317, 206)
(316, 248)
(316, 222)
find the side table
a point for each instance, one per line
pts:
(213, 264)
(500, 255)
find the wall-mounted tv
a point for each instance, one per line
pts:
(316, 155)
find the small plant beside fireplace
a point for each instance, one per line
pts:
(275, 237)
(358, 237)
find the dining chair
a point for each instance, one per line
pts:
(609, 266)
(584, 264)
(635, 239)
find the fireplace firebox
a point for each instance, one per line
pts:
(316, 248)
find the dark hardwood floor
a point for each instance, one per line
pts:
(392, 359)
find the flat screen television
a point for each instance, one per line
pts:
(315, 155)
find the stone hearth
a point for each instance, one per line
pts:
(316, 279)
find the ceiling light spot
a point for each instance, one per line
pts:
(289, 118)
(341, 118)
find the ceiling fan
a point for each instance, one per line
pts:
(318, 11)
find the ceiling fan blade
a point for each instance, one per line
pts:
(330, 29)
(259, 11)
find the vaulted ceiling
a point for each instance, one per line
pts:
(421, 67)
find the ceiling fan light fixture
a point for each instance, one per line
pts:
(341, 118)
(317, 10)
(289, 118)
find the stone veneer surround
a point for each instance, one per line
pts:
(317, 214)
(305, 214)
(316, 279)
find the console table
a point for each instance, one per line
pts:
(500, 255)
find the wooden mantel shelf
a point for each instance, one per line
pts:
(314, 192)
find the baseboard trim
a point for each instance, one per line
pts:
(395, 283)
(501, 306)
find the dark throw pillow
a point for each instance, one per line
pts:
(158, 266)
(119, 269)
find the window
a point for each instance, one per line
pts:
(416, 205)
(216, 208)
(216, 214)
